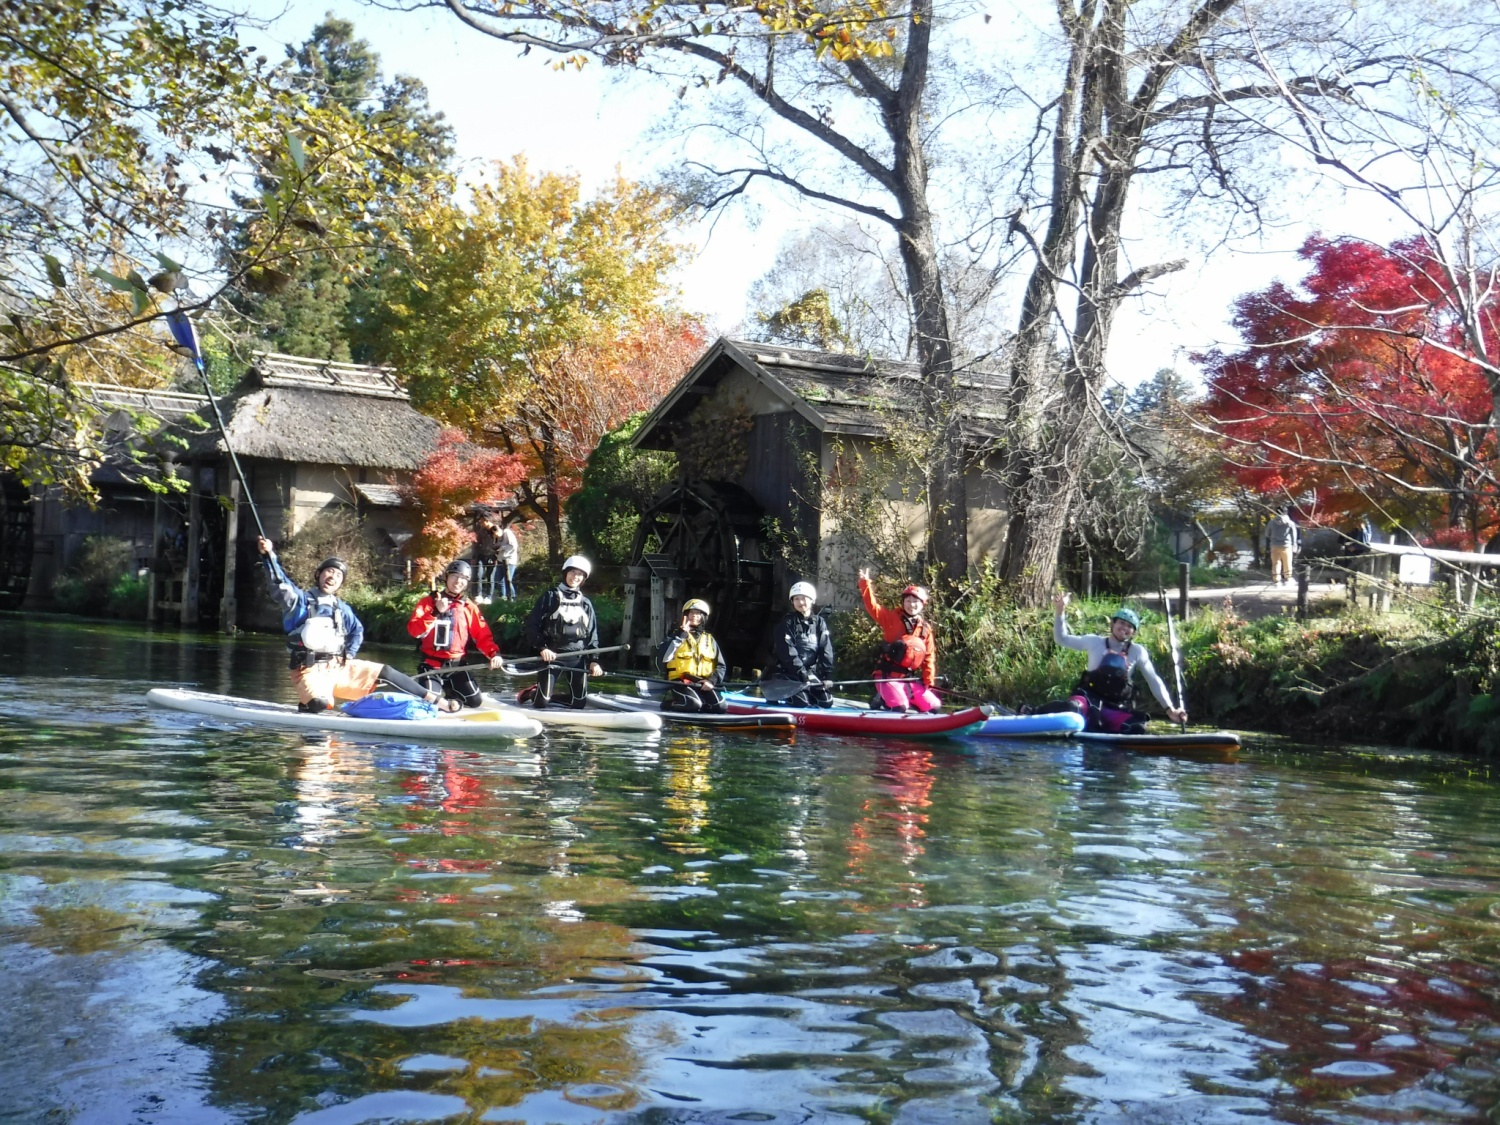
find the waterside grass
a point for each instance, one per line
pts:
(1423, 676)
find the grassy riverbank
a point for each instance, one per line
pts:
(1423, 677)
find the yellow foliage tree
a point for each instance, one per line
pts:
(500, 308)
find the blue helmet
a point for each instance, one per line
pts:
(1127, 615)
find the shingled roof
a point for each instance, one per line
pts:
(836, 392)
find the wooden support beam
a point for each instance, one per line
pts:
(228, 606)
(192, 580)
(153, 580)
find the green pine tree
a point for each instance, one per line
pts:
(309, 307)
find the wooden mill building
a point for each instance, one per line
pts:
(311, 436)
(760, 430)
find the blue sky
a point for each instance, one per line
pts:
(590, 122)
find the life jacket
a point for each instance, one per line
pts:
(909, 651)
(803, 638)
(450, 632)
(1110, 681)
(322, 631)
(696, 657)
(570, 624)
(903, 655)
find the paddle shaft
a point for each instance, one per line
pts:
(579, 652)
(438, 673)
(511, 668)
(1176, 657)
(197, 356)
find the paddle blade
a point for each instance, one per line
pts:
(185, 333)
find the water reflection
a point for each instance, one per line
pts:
(206, 923)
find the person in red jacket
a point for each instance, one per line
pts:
(444, 623)
(907, 667)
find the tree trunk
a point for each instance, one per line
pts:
(942, 410)
(551, 510)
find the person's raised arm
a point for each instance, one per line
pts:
(1060, 632)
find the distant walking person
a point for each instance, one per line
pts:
(1284, 538)
(508, 552)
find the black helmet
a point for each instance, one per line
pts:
(333, 561)
(459, 566)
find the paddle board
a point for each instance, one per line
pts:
(490, 726)
(575, 718)
(1058, 725)
(1205, 742)
(638, 705)
(849, 720)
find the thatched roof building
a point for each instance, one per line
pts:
(306, 411)
(312, 436)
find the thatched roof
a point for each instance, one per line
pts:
(836, 392)
(313, 426)
(299, 410)
(272, 369)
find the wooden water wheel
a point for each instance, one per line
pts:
(700, 539)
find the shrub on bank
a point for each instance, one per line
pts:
(1425, 677)
(101, 582)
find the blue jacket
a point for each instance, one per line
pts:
(295, 601)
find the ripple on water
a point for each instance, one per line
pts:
(264, 926)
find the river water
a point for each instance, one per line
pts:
(206, 923)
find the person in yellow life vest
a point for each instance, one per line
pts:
(694, 663)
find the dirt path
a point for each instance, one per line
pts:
(1258, 598)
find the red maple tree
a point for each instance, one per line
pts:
(455, 475)
(584, 392)
(1358, 393)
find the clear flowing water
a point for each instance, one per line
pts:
(202, 923)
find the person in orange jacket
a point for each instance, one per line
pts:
(907, 668)
(444, 623)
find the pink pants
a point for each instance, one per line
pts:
(898, 695)
(1107, 719)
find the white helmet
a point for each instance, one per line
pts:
(577, 562)
(804, 590)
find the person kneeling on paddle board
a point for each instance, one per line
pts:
(444, 623)
(562, 621)
(694, 663)
(907, 667)
(802, 650)
(323, 635)
(1105, 694)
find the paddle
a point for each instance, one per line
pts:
(579, 652)
(438, 673)
(185, 333)
(1176, 656)
(512, 667)
(633, 678)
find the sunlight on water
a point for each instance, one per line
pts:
(204, 922)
